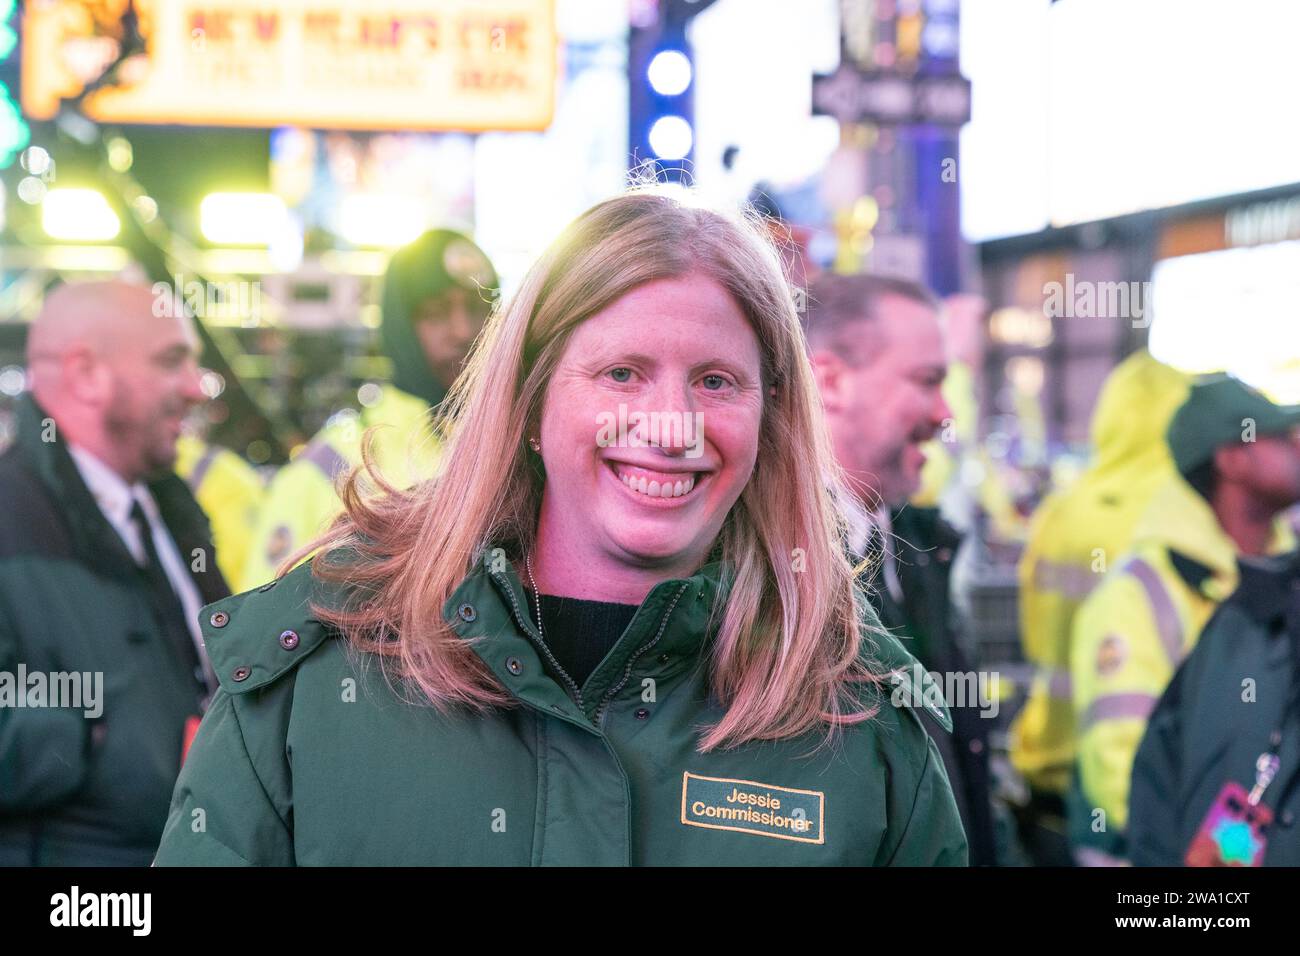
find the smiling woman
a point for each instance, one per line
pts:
(737, 643)
(615, 520)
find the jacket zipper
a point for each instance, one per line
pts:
(631, 661)
(576, 692)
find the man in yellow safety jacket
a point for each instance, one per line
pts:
(229, 490)
(1238, 461)
(437, 294)
(1075, 535)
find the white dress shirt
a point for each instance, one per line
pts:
(114, 497)
(861, 525)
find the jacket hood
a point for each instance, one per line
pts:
(431, 265)
(674, 618)
(1180, 520)
(1133, 412)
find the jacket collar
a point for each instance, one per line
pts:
(1267, 591)
(109, 489)
(398, 408)
(41, 448)
(668, 634)
(1181, 520)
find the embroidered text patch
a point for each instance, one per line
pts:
(720, 803)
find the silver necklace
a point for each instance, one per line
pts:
(575, 690)
(537, 596)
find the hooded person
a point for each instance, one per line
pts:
(1075, 535)
(1237, 456)
(437, 293)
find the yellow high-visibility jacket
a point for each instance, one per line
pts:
(957, 447)
(1129, 637)
(1076, 535)
(230, 491)
(302, 498)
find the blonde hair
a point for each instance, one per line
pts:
(788, 642)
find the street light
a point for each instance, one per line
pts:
(78, 215)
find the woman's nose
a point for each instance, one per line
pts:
(668, 418)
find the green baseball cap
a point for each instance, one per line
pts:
(1220, 410)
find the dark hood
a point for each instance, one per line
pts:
(427, 267)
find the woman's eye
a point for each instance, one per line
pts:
(621, 374)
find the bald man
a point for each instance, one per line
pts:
(105, 562)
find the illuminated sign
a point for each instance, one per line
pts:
(334, 64)
(1089, 110)
(882, 97)
(1233, 310)
(1263, 223)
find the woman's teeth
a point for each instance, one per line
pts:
(658, 489)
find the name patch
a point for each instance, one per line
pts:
(720, 803)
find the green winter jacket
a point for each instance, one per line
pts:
(1216, 718)
(308, 757)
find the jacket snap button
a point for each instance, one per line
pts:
(241, 673)
(665, 658)
(642, 713)
(976, 746)
(1287, 818)
(513, 664)
(219, 619)
(288, 640)
(467, 612)
(267, 586)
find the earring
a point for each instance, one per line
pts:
(535, 444)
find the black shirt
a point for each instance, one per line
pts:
(580, 633)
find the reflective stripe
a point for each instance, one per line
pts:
(1118, 707)
(201, 468)
(1075, 581)
(1168, 625)
(329, 461)
(1059, 683)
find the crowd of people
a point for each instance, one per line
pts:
(472, 629)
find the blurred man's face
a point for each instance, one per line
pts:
(155, 383)
(882, 409)
(447, 326)
(1270, 469)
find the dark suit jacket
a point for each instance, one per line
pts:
(925, 546)
(78, 788)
